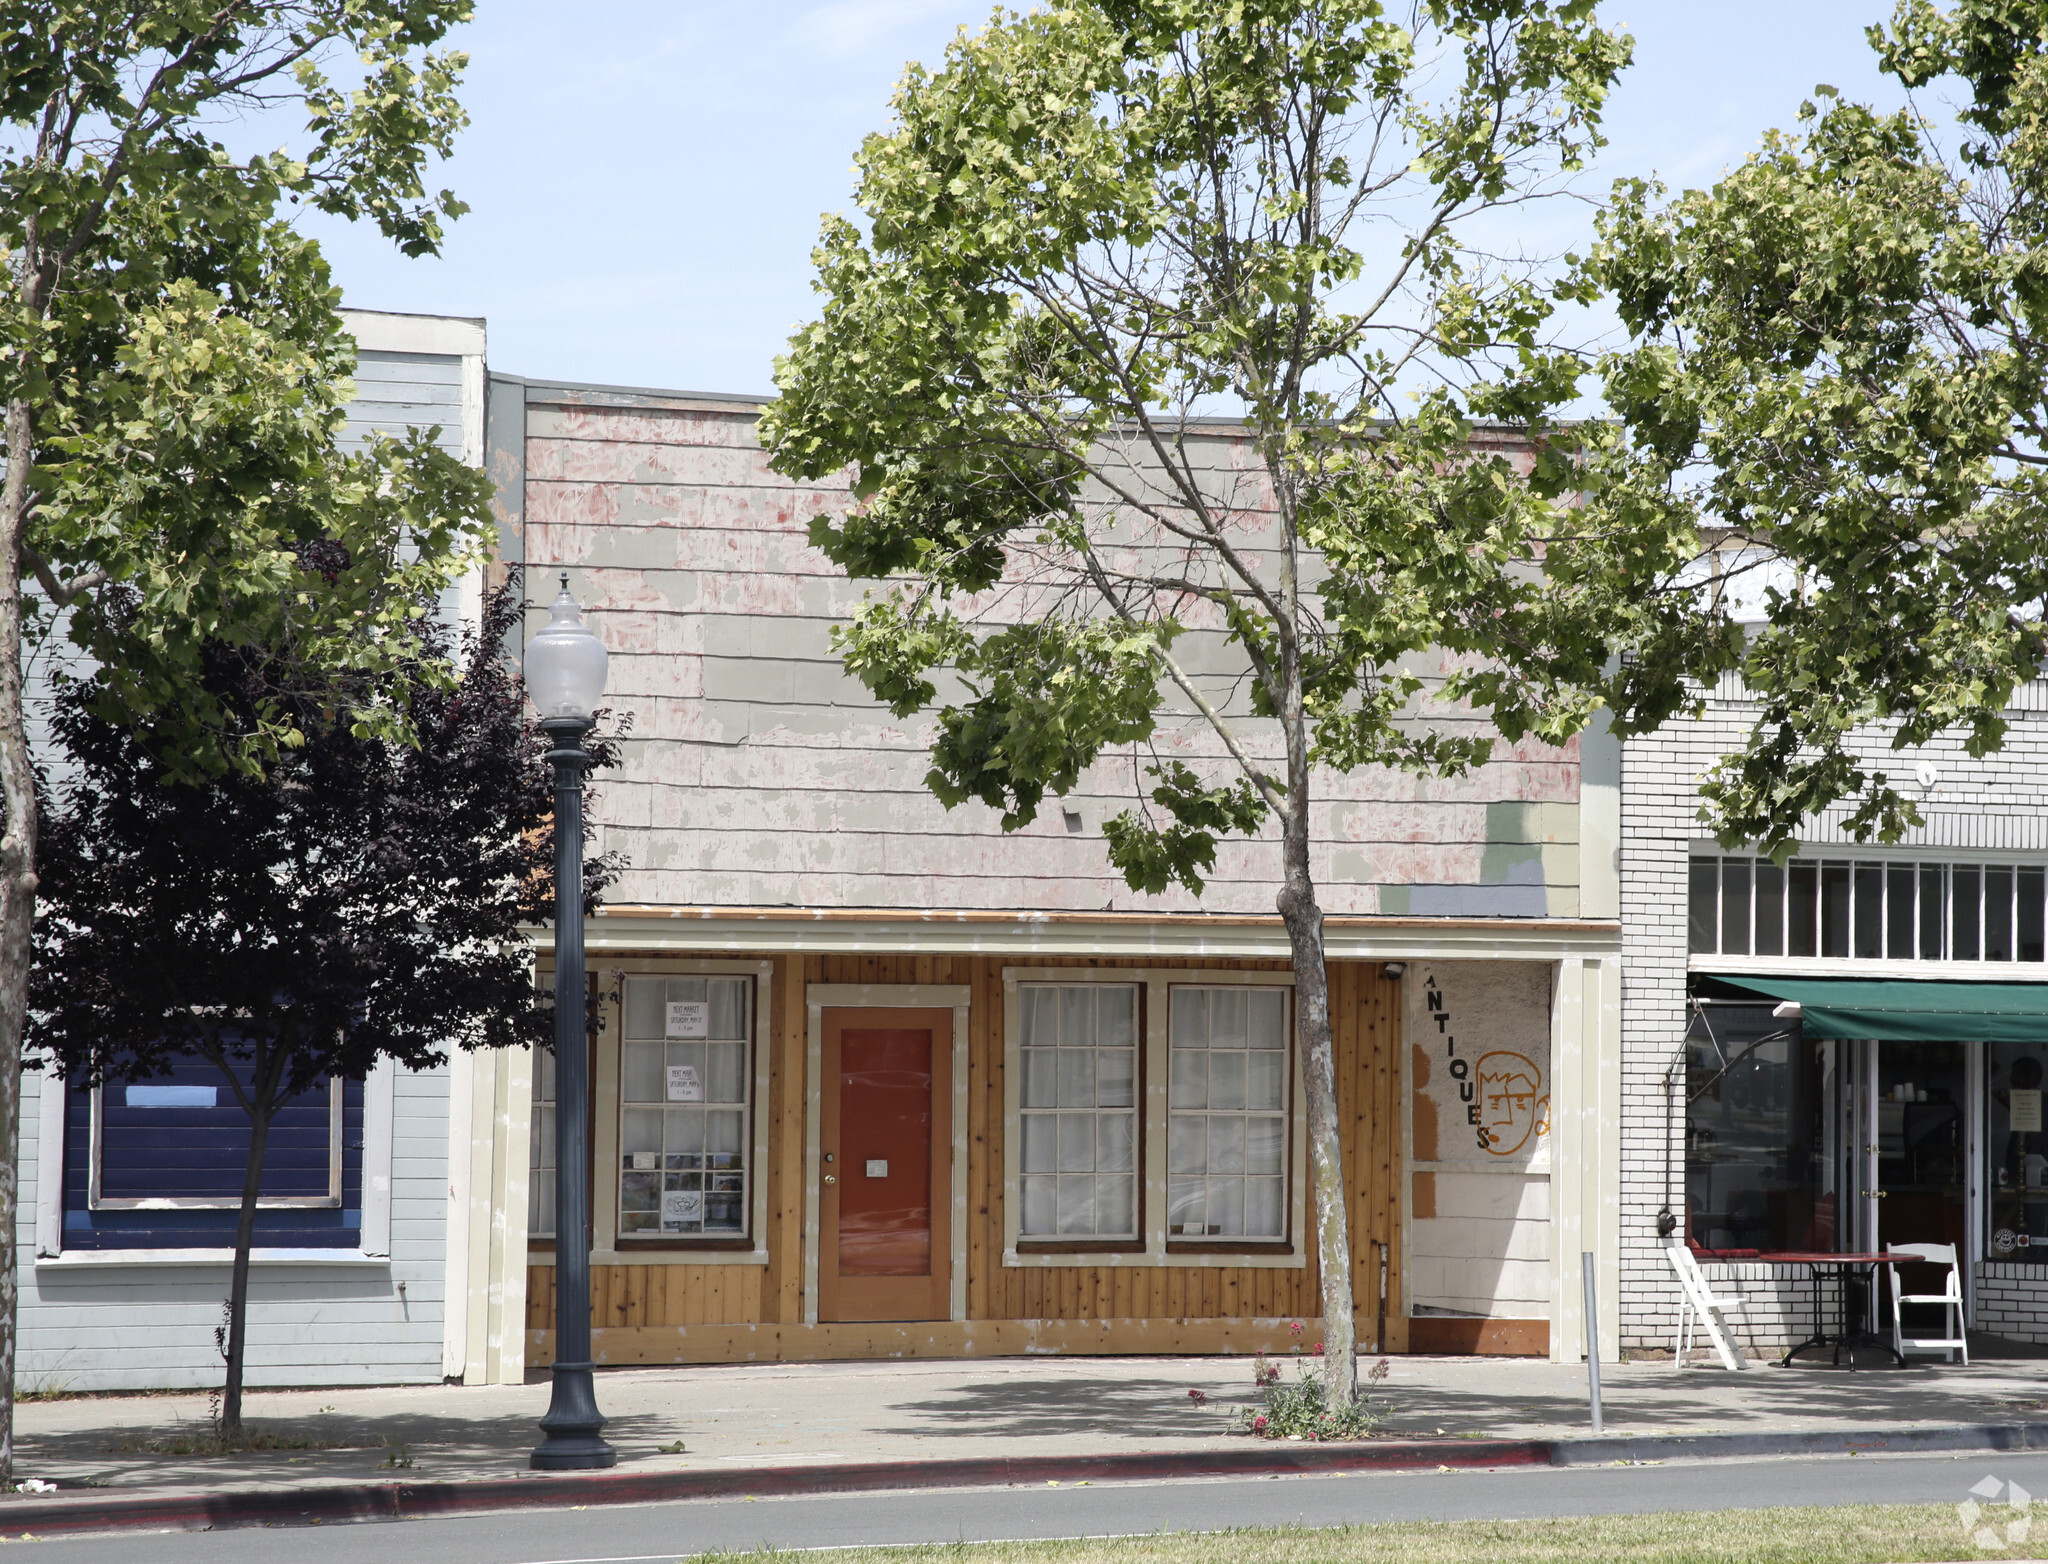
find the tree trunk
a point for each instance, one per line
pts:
(17, 891)
(1304, 920)
(262, 1104)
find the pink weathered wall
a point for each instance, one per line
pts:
(759, 774)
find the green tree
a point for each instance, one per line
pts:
(173, 373)
(359, 899)
(1099, 225)
(1839, 363)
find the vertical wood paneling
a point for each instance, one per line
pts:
(785, 1279)
(1366, 1019)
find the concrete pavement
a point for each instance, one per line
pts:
(738, 1417)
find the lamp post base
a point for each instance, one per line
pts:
(572, 1424)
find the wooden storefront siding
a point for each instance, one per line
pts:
(625, 1346)
(682, 1312)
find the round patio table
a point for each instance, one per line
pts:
(1851, 1272)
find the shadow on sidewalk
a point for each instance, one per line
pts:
(396, 1447)
(1065, 1406)
(1648, 1397)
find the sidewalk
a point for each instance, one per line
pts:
(740, 1417)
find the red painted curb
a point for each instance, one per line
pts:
(417, 1501)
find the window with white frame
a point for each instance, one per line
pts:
(1227, 1113)
(686, 1105)
(159, 1163)
(540, 1157)
(1867, 909)
(1078, 1106)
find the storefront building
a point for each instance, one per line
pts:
(875, 1078)
(1844, 1051)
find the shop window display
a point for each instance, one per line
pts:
(1762, 1143)
(2018, 1153)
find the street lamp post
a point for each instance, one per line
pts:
(565, 668)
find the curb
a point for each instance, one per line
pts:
(40, 1518)
(420, 1501)
(1931, 1438)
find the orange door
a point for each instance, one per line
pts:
(885, 1201)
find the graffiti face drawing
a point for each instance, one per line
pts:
(1511, 1109)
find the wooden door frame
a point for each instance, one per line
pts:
(819, 997)
(918, 1298)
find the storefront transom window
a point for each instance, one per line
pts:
(1867, 909)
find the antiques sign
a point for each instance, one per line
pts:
(1479, 1062)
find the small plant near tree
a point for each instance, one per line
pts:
(1305, 1409)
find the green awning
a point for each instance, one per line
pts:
(1906, 1010)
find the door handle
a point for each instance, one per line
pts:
(1874, 1194)
(830, 1179)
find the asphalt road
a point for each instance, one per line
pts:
(649, 1534)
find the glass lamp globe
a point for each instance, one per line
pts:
(565, 662)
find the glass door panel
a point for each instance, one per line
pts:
(1922, 1143)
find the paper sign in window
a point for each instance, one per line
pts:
(689, 1018)
(685, 1084)
(681, 1208)
(2024, 1111)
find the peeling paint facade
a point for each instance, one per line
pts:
(779, 837)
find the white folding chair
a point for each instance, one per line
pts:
(1700, 1307)
(1950, 1299)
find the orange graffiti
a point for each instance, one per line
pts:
(1512, 1104)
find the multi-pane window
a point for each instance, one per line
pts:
(1227, 1113)
(1078, 1104)
(540, 1154)
(1868, 909)
(686, 1102)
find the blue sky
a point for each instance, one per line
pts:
(646, 178)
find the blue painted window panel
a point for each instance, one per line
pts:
(194, 1153)
(197, 1153)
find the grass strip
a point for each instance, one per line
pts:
(1849, 1534)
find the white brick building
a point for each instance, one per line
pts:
(1846, 1143)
